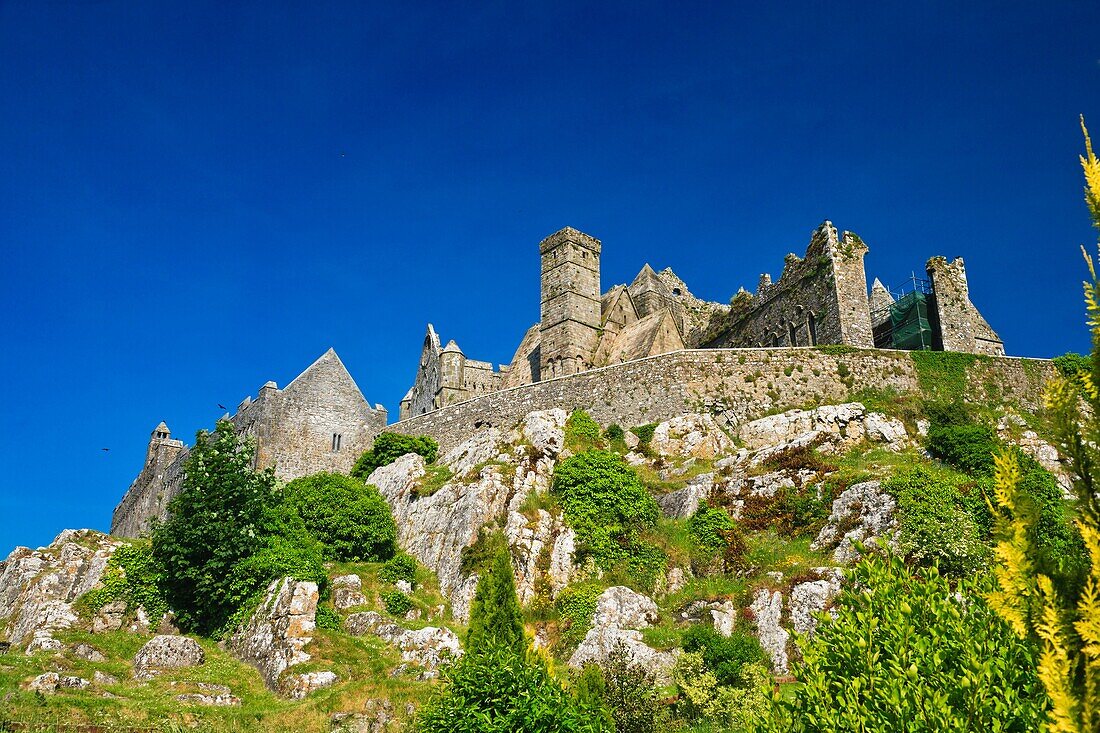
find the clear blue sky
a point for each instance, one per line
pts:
(197, 197)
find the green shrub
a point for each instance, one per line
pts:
(328, 618)
(645, 432)
(615, 432)
(943, 412)
(725, 657)
(131, 575)
(1060, 551)
(497, 691)
(934, 524)
(710, 527)
(605, 502)
(479, 556)
(629, 692)
(351, 520)
(582, 432)
(1072, 366)
(495, 618)
(967, 447)
(396, 602)
(399, 567)
(912, 654)
(727, 708)
(388, 447)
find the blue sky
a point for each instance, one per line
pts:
(198, 197)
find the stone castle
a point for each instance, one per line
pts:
(640, 350)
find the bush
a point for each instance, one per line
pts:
(615, 432)
(495, 618)
(582, 432)
(629, 692)
(328, 618)
(577, 605)
(732, 708)
(396, 603)
(725, 657)
(605, 502)
(132, 576)
(399, 567)
(967, 447)
(1060, 551)
(1072, 366)
(645, 432)
(912, 654)
(709, 527)
(497, 691)
(352, 521)
(225, 538)
(388, 447)
(934, 524)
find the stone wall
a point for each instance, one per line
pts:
(737, 384)
(961, 326)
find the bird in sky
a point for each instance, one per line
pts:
(105, 449)
(222, 406)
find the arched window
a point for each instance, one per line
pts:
(793, 334)
(811, 326)
(775, 339)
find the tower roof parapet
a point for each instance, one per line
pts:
(569, 234)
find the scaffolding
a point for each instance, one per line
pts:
(905, 323)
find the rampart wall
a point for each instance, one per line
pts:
(736, 384)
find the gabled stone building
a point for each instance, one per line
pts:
(318, 422)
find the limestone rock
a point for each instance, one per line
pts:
(863, 512)
(275, 636)
(38, 587)
(529, 540)
(378, 716)
(435, 529)
(52, 682)
(298, 686)
(622, 608)
(682, 503)
(879, 428)
(102, 678)
(347, 592)
(167, 652)
(696, 436)
(724, 617)
(601, 641)
(428, 647)
(767, 609)
(811, 598)
(110, 617)
(775, 429)
(210, 695)
(676, 580)
(88, 653)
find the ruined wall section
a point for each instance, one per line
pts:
(961, 326)
(421, 397)
(157, 482)
(734, 384)
(819, 299)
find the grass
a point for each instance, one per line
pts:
(435, 477)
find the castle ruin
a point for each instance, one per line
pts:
(821, 298)
(322, 422)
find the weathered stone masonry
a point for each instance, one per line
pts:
(736, 384)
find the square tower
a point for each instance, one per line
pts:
(570, 325)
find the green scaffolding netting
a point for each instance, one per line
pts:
(909, 322)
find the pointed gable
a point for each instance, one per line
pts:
(326, 374)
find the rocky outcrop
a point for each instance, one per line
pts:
(347, 592)
(493, 473)
(428, 647)
(833, 426)
(767, 610)
(682, 503)
(275, 637)
(167, 652)
(542, 548)
(862, 513)
(38, 587)
(697, 436)
(209, 695)
(810, 598)
(50, 682)
(620, 612)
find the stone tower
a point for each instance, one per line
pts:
(570, 324)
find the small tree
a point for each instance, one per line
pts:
(495, 618)
(388, 447)
(216, 520)
(351, 520)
